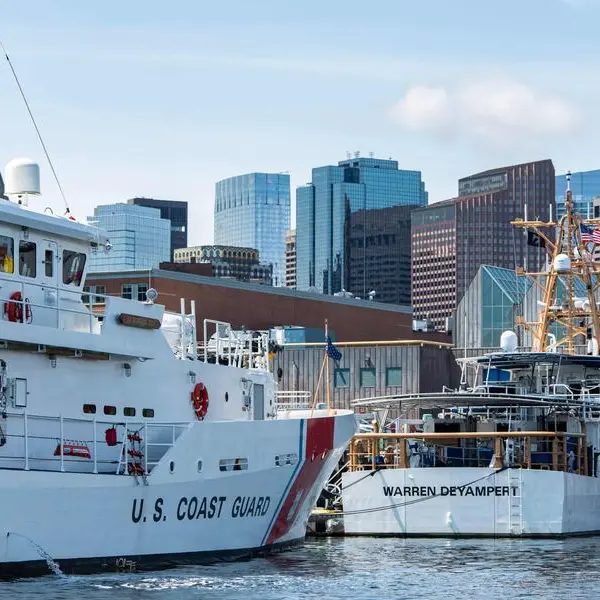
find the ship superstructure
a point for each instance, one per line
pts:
(124, 444)
(515, 451)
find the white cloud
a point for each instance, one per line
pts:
(497, 111)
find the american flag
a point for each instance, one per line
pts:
(589, 234)
(332, 351)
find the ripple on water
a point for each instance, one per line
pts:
(361, 568)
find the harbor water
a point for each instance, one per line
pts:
(358, 568)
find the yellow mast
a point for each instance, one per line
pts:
(570, 260)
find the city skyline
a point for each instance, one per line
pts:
(101, 90)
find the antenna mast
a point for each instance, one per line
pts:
(572, 265)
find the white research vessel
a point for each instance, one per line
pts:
(515, 453)
(120, 446)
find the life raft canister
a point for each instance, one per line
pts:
(200, 401)
(13, 309)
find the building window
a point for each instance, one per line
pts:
(393, 376)
(27, 259)
(73, 265)
(341, 378)
(94, 294)
(127, 291)
(367, 378)
(142, 288)
(7, 253)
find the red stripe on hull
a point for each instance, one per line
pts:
(319, 441)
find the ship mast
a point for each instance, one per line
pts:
(572, 264)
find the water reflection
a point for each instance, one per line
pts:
(358, 568)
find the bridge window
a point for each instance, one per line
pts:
(73, 265)
(7, 253)
(48, 263)
(27, 258)
(233, 464)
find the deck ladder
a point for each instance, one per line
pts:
(515, 501)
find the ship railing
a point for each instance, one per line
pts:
(546, 450)
(242, 349)
(293, 400)
(58, 302)
(68, 444)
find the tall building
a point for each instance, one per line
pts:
(585, 186)
(231, 262)
(253, 211)
(173, 210)
(139, 238)
(290, 259)
(450, 240)
(434, 242)
(352, 229)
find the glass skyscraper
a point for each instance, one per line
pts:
(140, 239)
(585, 186)
(353, 229)
(253, 211)
(174, 211)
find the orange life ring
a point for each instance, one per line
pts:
(13, 309)
(200, 401)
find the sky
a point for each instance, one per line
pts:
(163, 99)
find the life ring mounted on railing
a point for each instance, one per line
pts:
(200, 401)
(13, 309)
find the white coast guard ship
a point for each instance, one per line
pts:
(516, 450)
(120, 447)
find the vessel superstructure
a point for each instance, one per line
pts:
(123, 443)
(515, 450)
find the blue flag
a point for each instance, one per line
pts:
(332, 351)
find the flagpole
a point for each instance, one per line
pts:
(327, 372)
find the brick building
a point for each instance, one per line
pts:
(260, 307)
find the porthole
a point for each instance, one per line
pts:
(226, 396)
(89, 409)
(148, 413)
(199, 466)
(129, 411)
(110, 410)
(172, 466)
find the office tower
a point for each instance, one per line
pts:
(253, 211)
(352, 229)
(451, 239)
(290, 259)
(173, 210)
(139, 238)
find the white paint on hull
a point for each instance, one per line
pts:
(433, 502)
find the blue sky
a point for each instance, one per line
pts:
(163, 99)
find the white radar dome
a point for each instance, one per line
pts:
(562, 263)
(22, 177)
(508, 341)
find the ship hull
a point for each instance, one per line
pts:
(187, 510)
(470, 502)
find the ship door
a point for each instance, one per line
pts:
(47, 260)
(258, 401)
